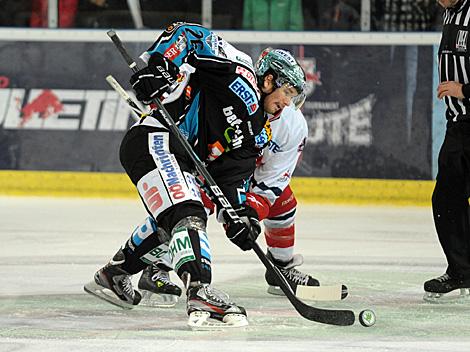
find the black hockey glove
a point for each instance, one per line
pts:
(245, 233)
(155, 79)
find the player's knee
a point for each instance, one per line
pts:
(190, 222)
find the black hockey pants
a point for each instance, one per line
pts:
(450, 199)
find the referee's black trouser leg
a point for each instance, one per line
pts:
(450, 199)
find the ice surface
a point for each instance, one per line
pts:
(50, 247)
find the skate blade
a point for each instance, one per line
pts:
(106, 295)
(461, 295)
(315, 293)
(201, 321)
(157, 300)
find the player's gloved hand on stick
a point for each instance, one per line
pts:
(154, 80)
(245, 233)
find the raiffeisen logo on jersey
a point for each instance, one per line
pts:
(246, 94)
(63, 109)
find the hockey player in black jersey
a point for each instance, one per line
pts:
(290, 128)
(216, 103)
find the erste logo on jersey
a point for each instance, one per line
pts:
(249, 76)
(246, 94)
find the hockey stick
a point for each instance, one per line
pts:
(326, 316)
(314, 293)
(118, 88)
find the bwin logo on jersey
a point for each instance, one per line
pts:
(235, 131)
(462, 37)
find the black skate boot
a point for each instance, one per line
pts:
(204, 302)
(436, 290)
(156, 287)
(293, 276)
(113, 284)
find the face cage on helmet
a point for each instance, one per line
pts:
(299, 100)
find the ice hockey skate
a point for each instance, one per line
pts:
(112, 284)
(157, 289)
(303, 285)
(210, 309)
(445, 289)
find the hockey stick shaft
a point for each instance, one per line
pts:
(124, 95)
(333, 317)
(217, 193)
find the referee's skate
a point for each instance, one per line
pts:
(445, 289)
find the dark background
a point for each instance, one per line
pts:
(396, 79)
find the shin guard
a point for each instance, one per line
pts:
(147, 244)
(190, 251)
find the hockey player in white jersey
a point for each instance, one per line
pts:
(272, 197)
(270, 193)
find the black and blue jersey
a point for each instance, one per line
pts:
(217, 106)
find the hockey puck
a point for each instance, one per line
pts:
(367, 318)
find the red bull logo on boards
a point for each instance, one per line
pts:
(44, 105)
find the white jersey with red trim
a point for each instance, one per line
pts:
(273, 174)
